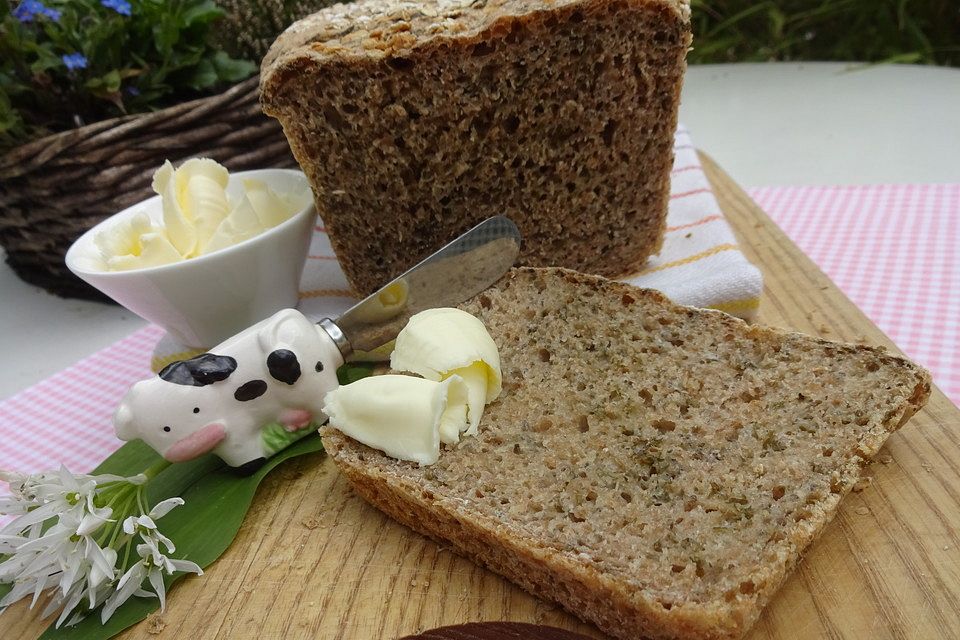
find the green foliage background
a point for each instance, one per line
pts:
(920, 31)
(923, 31)
(160, 54)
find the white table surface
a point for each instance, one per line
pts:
(766, 124)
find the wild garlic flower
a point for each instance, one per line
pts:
(150, 567)
(68, 534)
(147, 528)
(153, 562)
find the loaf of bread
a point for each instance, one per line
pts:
(416, 120)
(655, 469)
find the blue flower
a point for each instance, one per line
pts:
(120, 6)
(27, 10)
(132, 91)
(74, 61)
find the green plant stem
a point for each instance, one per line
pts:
(153, 470)
(120, 497)
(141, 502)
(126, 554)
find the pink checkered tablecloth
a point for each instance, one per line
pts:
(893, 249)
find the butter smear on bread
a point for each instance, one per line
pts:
(408, 417)
(198, 217)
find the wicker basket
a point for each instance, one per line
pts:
(55, 188)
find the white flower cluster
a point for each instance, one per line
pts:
(68, 535)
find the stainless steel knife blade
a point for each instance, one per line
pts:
(455, 273)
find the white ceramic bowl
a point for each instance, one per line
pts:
(204, 300)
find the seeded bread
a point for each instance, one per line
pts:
(416, 120)
(655, 469)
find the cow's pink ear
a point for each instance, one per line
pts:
(123, 422)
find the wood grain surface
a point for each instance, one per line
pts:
(497, 631)
(314, 561)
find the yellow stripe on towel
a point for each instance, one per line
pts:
(159, 362)
(736, 307)
(699, 256)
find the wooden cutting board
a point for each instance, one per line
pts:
(314, 561)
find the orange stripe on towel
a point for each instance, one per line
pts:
(699, 256)
(692, 192)
(695, 223)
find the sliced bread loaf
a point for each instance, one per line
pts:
(416, 120)
(653, 468)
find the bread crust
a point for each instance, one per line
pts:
(561, 576)
(544, 572)
(446, 129)
(397, 28)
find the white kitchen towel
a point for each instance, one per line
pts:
(699, 264)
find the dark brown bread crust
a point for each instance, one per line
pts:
(720, 436)
(560, 116)
(544, 572)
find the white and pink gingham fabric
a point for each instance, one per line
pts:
(67, 418)
(895, 251)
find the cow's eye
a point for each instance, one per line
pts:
(167, 429)
(196, 409)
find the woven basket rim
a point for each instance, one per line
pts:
(30, 155)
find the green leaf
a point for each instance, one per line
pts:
(353, 371)
(216, 501)
(9, 118)
(276, 438)
(129, 460)
(166, 33)
(738, 17)
(201, 13)
(45, 60)
(109, 83)
(203, 75)
(777, 21)
(232, 70)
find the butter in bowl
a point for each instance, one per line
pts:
(209, 255)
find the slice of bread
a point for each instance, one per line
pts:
(415, 121)
(655, 469)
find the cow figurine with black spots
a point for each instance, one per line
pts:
(277, 371)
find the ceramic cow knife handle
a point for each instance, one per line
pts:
(255, 393)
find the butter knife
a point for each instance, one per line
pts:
(259, 391)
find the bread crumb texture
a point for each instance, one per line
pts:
(655, 469)
(416, 121)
